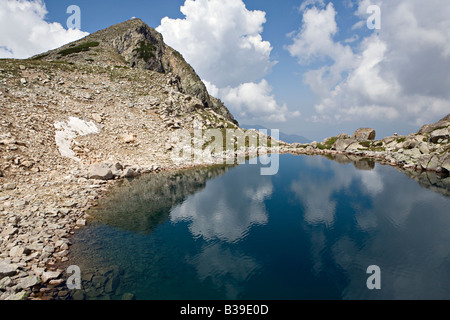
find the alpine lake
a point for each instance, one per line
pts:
(310, 232)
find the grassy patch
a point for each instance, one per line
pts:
(145, 50)
(377, 149)
(177, 54)
(80, 48)
(41, 56)
(328, 144)
(400, 140)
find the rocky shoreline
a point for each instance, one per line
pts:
(426, 150)
(35, 239)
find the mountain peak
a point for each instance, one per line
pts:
(134, 44)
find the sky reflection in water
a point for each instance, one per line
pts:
(309, 232)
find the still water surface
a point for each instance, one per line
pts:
(309, 232)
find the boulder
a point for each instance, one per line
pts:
(5, 283)
(428, 128)
(410, 144)
(343, 136)
(50, 275)
(446, 164)
(16, 251)
(424, 160)
(364, 134)
(129, 173)
(434, 164)
(7, 269)
(436, 135)
(100, 171)
(413, 153)
(423, 148)
(116, 169)
(354, 147)
(342, 144)
(29, 282)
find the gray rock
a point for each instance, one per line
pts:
(29, 282)
(9, 186)
(410, 144)
(117, 166)
(444, 122)
(423, 148)
(446, 164)
(413, 153)
(424, 160)
(354, 147)
(439, 134)
(16, 251)
(7, 269)
(100, 171)
(128, 173)
(363, 134)
(49, 249)
(81, 222)
(11, 230)
(50, 275)
(434, 163)
(342, 144)
(116, 169)
(5, 283)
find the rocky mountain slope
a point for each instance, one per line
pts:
(133, 44)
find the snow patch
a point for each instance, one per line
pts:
(68, 131)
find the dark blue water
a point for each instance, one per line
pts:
(309, 232)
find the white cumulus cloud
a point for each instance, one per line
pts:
(397, 73)
(253, 101)
(222, 41)
(24, 31)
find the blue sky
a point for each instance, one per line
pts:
(310, 67)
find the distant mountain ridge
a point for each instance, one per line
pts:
(288, 138)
